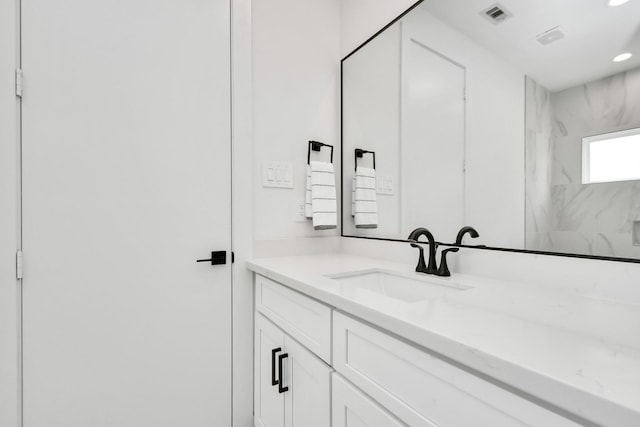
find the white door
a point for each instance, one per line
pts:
(126, 169)
(433, 139)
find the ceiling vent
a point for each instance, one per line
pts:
(550, 36)
(496, 13)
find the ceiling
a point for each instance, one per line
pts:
(594, 34)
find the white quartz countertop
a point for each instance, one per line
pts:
(580, 354)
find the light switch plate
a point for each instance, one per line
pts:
(277, 174)
(385, 183)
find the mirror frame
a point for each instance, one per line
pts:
(481, 247)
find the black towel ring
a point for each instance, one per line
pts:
(359, 153)
(316, 146)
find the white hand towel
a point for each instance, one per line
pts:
(308, 211)
(365, 205)
(320, 196)
(353, 196)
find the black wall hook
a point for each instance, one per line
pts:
(317, 146)
(359, 153)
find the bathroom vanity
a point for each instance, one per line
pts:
(470, 127)
(348, 341)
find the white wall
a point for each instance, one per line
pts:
(296, 78)
(360, 19)
(9, 356)
(242, 213)
(371, 121)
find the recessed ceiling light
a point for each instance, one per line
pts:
(614, 3)
(622, 57)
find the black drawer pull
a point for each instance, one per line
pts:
(281, 389)
(274, 381)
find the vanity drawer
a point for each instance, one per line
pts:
(423, 390)
(352, 408)
(305, 319)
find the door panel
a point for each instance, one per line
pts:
(126, 169)
(433, 138)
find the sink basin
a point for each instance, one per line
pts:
(393, 290)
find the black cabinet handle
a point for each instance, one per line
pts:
(274, 381)
(281, 389)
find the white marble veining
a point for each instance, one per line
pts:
(538, 159)
(563, 215)
(579, 353)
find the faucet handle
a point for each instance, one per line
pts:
(444, 269)
(422, 266)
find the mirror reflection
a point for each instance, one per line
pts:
(513, 118)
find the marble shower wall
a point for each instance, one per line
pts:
(563, 215)
(539, 166)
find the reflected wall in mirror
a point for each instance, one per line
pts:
(441, 95)
(388, 88)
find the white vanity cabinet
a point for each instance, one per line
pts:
(423, 390)
(342, 372)
(292, 386)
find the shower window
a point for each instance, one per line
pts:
(611, 157)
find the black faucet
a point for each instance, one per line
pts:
(431, 268)
(464, 230)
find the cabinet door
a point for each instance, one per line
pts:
(308, 400)
(269, 408)
(351, 408)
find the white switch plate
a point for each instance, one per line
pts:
(277, 174)
(385, 183)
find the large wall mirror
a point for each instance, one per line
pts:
(511, 117)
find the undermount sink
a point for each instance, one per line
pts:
(393, 290)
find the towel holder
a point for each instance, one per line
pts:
(359, 153)
(316, 146)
